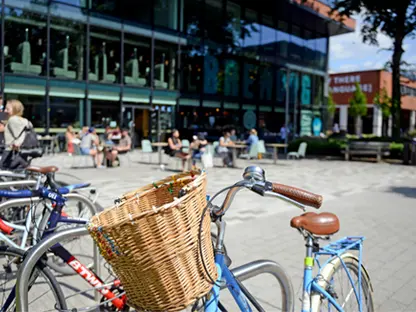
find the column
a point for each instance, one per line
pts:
(377, 121)
(343, 117)
(390, 127)
(412, 121)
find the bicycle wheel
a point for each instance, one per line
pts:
(335, 280)
(80, 247)
(45, 294)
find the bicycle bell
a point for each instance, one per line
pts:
(254, 173)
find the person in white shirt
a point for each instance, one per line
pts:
(223, 150)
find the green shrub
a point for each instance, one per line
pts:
(396, 150)
(319, 146)
(332, 147)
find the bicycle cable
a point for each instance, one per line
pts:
(211, 279)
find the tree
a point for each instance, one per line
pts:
(358, 107)
(397, 20)
(331, 107)
(383, 102)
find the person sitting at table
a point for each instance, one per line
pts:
(225, 153)
(70, 137)
(252, 139)
(122, 147)
(90, 145)
(233, 135)
(175, 148)
(198, 147)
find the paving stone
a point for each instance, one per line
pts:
(372, 200)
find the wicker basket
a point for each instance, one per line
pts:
(151, 241)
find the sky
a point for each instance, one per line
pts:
(349, 53)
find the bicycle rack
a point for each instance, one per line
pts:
(243, 272)
(17, 183)
(258, 267)
(22, 300)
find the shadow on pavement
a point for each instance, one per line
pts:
(405, 191)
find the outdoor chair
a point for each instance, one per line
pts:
(185, 146)
(301, 153)
(252, 153)
(147, 149)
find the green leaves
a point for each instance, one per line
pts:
(358, 102)
(383, 101)
(331, 105)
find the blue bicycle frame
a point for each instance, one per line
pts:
(334, 250)
(225, 275)
(55, 218)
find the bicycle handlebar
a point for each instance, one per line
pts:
(301, 196)
(256, 183)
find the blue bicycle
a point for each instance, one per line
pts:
(51, 217)
(323, 292)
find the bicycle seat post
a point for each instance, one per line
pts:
(38, 181)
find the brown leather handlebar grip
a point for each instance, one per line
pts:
(299, 195)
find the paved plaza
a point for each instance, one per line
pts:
(374, 200)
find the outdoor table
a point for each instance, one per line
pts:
(234, 149)
(159, 146)
(275, 150)
(47, 143)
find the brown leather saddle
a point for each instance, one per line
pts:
(324, 223)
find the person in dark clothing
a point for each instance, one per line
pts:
(2, 142)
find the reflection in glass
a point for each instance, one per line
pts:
(296, 44)
(321, 47)
(293, 88)
(77, 3)
(64, 112)
(166, 13)
(138, 11)
(25, 42)
(213, 73)
(192, 64)
(103, 112)
(283, 39)
(67, 49)
(305, 98)
(34, 108)
(281, 85)
(231, 78)
(233, 29)
(251, 34)
(250, 82)
(310, 49)
(193, 17)
(136, 60)
(266, 83)
(268, 39)
(214, 21)
(318, 91)
(104, 55)
(165, 65)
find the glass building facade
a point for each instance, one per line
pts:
(157, 64)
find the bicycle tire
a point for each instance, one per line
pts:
(45, 271)
(332, 267)
(61, 267)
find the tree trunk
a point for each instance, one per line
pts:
(396, 60)
(358, 122)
